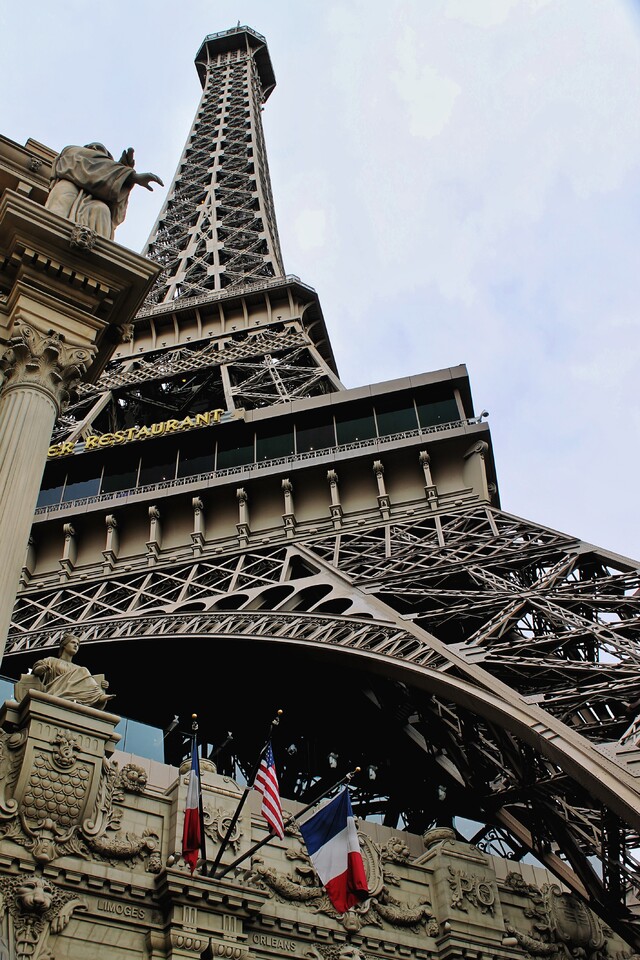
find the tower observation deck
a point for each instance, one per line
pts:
(223, 517)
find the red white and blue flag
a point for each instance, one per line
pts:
(267, 783)
(192, 834)
(332, 843)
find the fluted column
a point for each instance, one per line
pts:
(39, 370)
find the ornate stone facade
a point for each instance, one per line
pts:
(90, 848)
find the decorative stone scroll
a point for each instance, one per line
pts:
(380, 909)
(562, 925)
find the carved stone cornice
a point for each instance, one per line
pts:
(43, 362)
(84, 288)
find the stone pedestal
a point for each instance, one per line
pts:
(64, 293)
(52, 773)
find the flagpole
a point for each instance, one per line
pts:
(203, 839)
(289, 820)
(247, 789)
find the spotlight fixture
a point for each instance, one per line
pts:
(333, 760)
(372, 771)
(171, 727)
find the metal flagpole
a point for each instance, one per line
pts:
(247, 790)
(203, 839)
(289, 820)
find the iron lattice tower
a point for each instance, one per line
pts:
(218, 226)
(340, 553)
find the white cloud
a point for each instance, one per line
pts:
(310, 229)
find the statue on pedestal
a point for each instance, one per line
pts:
(60, 677)
(92, 189)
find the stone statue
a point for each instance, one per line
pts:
(61, 677)
(90, 188)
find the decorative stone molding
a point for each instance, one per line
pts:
(288, 517)
(126, 332)
(430, 488)
(384, 503)
(112, 545)
(242, 526)
(43, 362)
(562, 925)
(197, 536)
(479, 891)
(154, 543)
(216, 827)
(336, 506)
(70, 551)
(29, 563)
(59, 795)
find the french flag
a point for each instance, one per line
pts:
(191, 833)
(332, 843)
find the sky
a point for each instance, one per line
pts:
(458, 179)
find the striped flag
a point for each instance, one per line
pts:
(332, 843)
(191, 834)
(267, 783)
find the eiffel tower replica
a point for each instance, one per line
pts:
(222, 516)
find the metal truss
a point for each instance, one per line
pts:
(471, 651)
(218, 225)
(267, 366)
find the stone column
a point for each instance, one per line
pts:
(38, 372)
(64, 295)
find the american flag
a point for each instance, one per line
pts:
(267, 784)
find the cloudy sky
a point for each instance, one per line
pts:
(458, 179)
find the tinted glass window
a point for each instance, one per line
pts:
(157, 467)
(315, 433)
(235, 448)
(52, 483)
(120, 471)
(83, 477)
(350, 429)
(395, 416)
(440, 411)
(272, 445)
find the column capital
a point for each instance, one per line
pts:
(44, 362)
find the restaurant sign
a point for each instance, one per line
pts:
(118, 437)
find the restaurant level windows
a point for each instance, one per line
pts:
(355, 424)
(272, 444)
(234, 447)
(192, 464)
(52, 484)
(84, 473)
(196, 454)
(395, 415)
(438, 411)
(158, 464)
(315, 432)
(120, 471)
